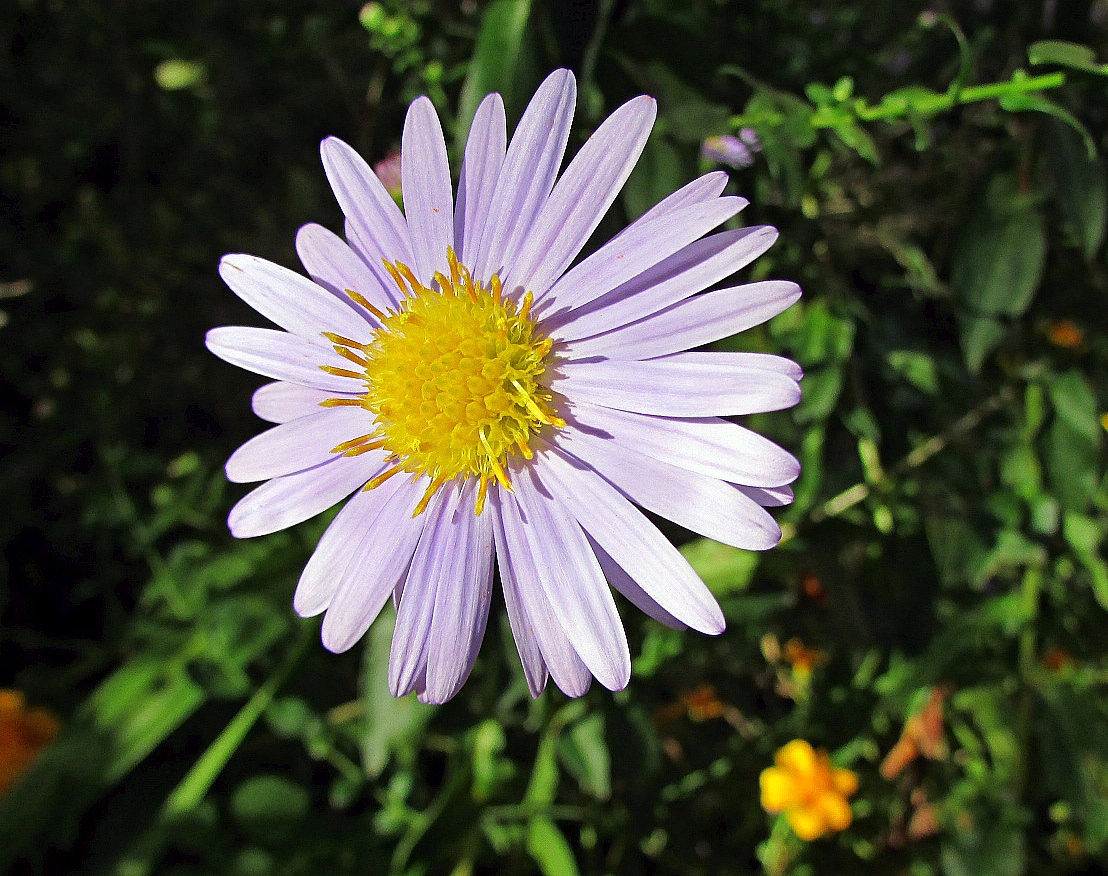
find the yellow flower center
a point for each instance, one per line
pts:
(453, 378)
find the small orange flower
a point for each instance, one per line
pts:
(923, 735)
(1066, 334)
(702, 703)
(813, 588)
(802, 658)
(1057, 659)
(809, 790)
(23, 734)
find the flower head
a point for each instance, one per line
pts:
(488, 405)
(23, 734)
(809, 790)
(734, 151)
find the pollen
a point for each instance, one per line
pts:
(454, 377)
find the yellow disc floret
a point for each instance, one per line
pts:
(453, 378)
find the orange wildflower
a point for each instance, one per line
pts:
(809, 790)
(813, 588)
(23, 734)
(1066, 334)
(802, 658)
(1057, 659)
(923, 735)
(702, 703)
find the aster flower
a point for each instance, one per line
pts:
(811, 792)
(734, 151)
(488, 404)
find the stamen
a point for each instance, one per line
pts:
(497, 468)
(395, 274)
(452, 260)
(382, 477)
(365, 448)
(445, 285)
(342, 341)
(353, 442)
(347, 353)
(342, 402)
(341, 372)
(482, 491)
(413, 281)
(497, 288)
(358, 298)
(532, 406)
(432, 488)
(528, 300)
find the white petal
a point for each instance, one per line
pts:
(293, 302)
(484, 156)
(282, 356)
(566, 668)
(573, 582)
(334, 265)
(706, 505)
(528, 172)
(642, 246)
(282, 401)
(376, 564)
(292, 499)
(461, 602)
(677, 388)
(691, 323)
(686, 272)
(582, 196)
(379, 226)
(710, 446)
(348, 554)
(303, 443)
(428, 198)
(633, 542)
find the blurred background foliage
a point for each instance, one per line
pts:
(935, 617)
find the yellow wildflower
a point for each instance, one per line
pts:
(809, 790)
(23, 734)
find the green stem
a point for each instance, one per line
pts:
(892, 108)
(196, 783)
(932, 105)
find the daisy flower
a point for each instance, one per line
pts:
(488, 403)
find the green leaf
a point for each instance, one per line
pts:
(1072, 451)
(391, 725)
(997, 266)
(822, 389)
(1080, 185)
(723, 568)
(980, 336)
(999, 261)
(857, 138)
(493, 66)
(549, 849)
(1065, 54)
(269, 801)
(916, 368)
(1086, 536)
(1023, 102)
(488, 766)
(584, 752)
